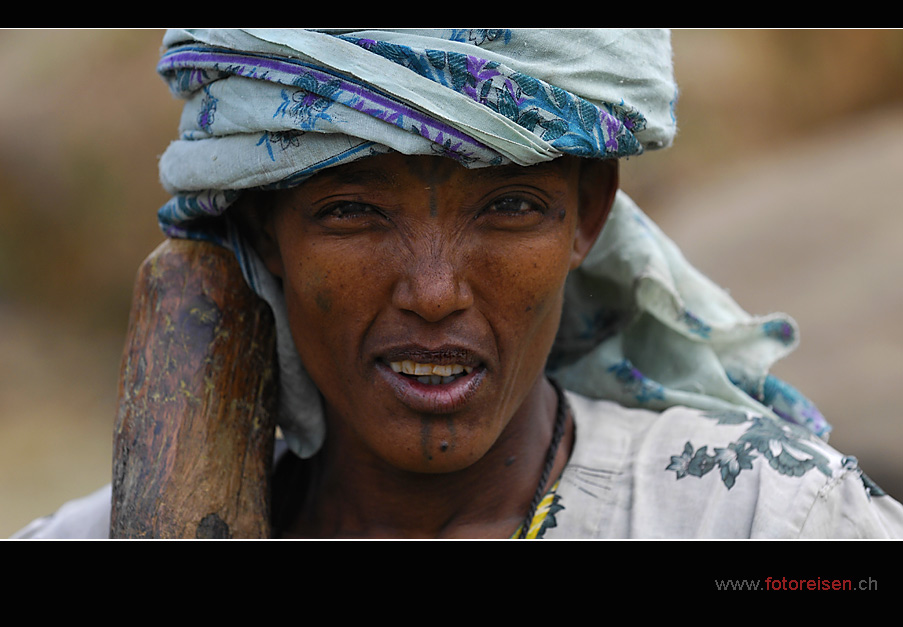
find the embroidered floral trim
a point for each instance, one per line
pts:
(871, 488)
(786, 447)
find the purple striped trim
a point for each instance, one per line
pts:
(384, 108)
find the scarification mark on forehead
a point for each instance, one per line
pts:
(434, 171)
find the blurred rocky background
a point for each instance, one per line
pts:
(784, 186)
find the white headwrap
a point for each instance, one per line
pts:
(269, 108)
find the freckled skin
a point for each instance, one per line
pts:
(396, 249)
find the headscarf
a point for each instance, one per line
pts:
(267, 109)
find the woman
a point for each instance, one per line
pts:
(423, 299)
(424, 212)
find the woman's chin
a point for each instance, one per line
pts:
(436, 445)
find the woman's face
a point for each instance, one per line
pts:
(424, 297)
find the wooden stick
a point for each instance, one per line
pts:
(193, 445)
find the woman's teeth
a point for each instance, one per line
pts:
(433, 374)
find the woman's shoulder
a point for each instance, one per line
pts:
(722, 473)
(85, 518)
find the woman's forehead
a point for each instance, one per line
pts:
(396, 169)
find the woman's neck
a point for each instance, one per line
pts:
(353, 494)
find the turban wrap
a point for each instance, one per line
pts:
(266, 109)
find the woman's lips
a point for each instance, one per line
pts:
(428, 387)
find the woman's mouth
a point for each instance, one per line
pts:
(428, 387)
(430, 374)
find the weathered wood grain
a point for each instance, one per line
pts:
(192, 451)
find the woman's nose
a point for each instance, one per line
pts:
(434, 285)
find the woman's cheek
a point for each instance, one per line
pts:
(523, 284)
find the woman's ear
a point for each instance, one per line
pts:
(598, 184)
(254, 212)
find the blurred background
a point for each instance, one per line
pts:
(784, 186)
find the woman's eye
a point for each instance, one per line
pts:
(512, 206)
(349, 210)
(514, 213)
(351, 216)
